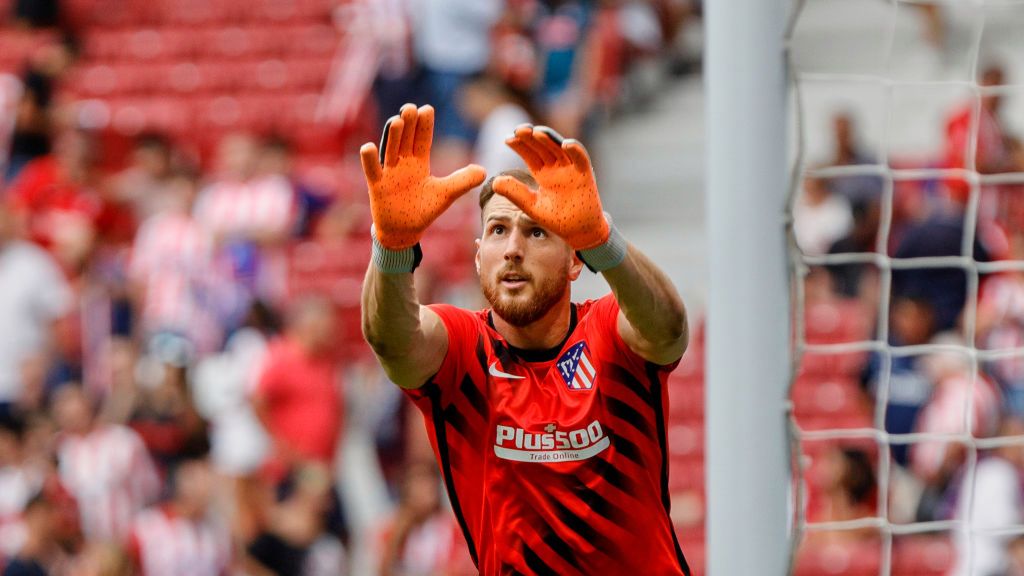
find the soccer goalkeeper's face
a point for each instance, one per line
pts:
(524, 269)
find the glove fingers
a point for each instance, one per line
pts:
(461, 181)
(533, 162)
(424, 135)
(517, 192)
(393, 140)
(371, 163)
(538, 148)
(578, 155)
(552, 143)
(409, 119)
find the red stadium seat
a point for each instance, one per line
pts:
(686, 440)
(837, 321)
(685, 400)
(686, 473)
(838, 557)
(923, 556)
(829, 397)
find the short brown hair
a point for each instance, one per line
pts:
(487, 191)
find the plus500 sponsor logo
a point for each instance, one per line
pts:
(551, 439)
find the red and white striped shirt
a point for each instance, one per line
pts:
(946, 413)
(173, 260)
(111, 475)
(263, 205)
(1003, 300)
(166, 544)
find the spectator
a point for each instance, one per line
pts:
(181, 291)
(495, 109)
(249, 215)
(848, 152)
(945, 289)
(56, 200)
(993, 503)
(911, 323)
(181, 536)
(936, 462)
(563, 94)
(39, 555)
(452, 41)
(166, 420)
(422, 538)
(849, 279)
(298, 396)
(33, 121)
(104, 466)
(993, 152)
(144, 183)
(275, 163)
(17, 484)
(1000, 325)
(820, 218)
(846, 487)
(34, 296)
(222, 386)
(294, 541)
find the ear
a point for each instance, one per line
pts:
(575, 266)
(476, 257)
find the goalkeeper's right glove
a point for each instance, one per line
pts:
(404, 197)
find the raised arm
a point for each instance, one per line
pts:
(409, 339)
(652, 321)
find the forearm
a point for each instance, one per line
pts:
(649, 302)
(390, 313)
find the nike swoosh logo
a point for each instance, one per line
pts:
(493, 371)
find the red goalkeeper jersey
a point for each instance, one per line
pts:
(555, 462)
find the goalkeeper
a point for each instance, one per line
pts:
(547, 417)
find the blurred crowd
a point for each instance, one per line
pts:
(181, 359)
(957, 209)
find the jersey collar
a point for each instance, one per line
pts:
(546, 354)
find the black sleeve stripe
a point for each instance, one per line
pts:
(537, 564)
(561, 548)
(440, 433)
(625, 447)
(458, 422)
(583, 528)
(473, 395)
(481, 353)
(628, 414)
(615, 477)
(599, 504)
(659, 413)
(630, 382)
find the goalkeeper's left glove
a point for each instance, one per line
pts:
(567, 202)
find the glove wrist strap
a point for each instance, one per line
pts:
(607, 255)
(391, 261)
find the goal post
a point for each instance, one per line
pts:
(748, 334)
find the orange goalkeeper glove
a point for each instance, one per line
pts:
(404, 197)
(567, 202)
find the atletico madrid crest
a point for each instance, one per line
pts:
(576, 369)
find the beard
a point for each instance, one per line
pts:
(525, 307)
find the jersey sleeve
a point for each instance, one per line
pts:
(606, 311)
(464, 330)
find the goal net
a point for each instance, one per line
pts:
(907, 255)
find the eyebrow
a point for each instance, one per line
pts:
(527, 221)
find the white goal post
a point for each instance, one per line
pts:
(748, 335)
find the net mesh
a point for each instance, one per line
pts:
(840, 342)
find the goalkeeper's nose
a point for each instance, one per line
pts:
(515, 245)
